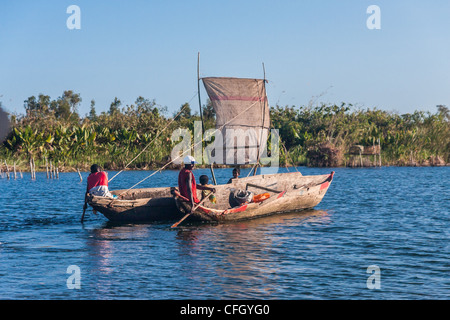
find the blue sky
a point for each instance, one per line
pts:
(322, 48)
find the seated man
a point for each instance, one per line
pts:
(98, 183)
(186, 182)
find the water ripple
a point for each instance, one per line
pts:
(394, 218)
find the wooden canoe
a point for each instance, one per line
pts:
(138, 205)
(289, 192)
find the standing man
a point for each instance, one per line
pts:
(186, 182)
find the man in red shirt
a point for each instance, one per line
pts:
(98, 183)
(186, 182)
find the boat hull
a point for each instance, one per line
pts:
(290, 192)
(295, 193)
(140, 205)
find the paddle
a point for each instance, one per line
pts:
(195, 208)
(84, 209)
(85, 205)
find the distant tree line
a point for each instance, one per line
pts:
(53, 130)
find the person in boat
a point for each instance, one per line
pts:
(236, 174)
(98, 183)
(204, 180)
(187, 184)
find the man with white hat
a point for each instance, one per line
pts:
(186, 182)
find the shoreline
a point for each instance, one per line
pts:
(85, 169)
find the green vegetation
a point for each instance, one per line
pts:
(316, 136)
(420, 138)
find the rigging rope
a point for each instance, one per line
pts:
(286, 153)
(182, 154)
(153, 139)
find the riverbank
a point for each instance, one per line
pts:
(21, 167)
(321, 136)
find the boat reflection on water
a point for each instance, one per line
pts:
(103, 242)
(244, 258)
(291, 218)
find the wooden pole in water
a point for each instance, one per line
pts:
(7, 170)
(46, 166)
(33, 165)
(379, 155)
(375, 153)
(34, 168)
(15, 172)
(81, 178)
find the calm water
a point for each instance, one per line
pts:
(394, 218)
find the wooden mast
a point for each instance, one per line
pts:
(201, 116)
(262, 126)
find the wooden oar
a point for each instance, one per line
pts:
(85, 204)
(84, 208)
(195, 208)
